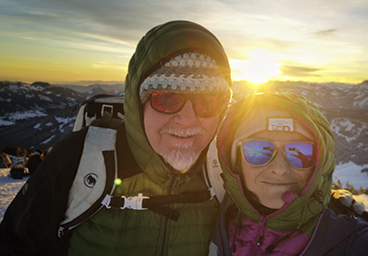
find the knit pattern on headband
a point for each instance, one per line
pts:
(187, 73)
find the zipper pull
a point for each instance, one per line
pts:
(175, 183)
(233, 249)
(261, 225)
(259, 241)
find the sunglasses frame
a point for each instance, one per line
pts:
(282, 147)
(191, 97)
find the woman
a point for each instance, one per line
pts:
(276, 152)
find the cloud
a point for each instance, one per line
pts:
(328, 32)
(299, 71)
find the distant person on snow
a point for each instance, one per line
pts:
(177, 90)
(276, 152)
(34, 160)
(6, 160)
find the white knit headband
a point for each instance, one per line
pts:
(186, 73)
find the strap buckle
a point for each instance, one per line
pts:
(134, 202)
(106, 201)
(212, 192)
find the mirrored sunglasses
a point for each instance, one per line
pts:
(262, 152)
(204, 105)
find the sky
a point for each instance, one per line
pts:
(65, 41)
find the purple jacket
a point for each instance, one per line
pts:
(334, 235)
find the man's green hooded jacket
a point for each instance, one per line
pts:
(129, 232)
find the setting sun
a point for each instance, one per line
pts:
(259, 68)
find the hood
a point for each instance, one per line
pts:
(158, 46)
(299, 212)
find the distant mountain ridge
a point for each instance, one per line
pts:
(38, 115)
(113, 88)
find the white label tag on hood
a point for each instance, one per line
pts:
(280, 124)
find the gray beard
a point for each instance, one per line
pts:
(182, 158)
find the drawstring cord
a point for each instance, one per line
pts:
(317, 195)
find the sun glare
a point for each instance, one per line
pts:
(259, 68)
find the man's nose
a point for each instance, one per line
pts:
(186, 115)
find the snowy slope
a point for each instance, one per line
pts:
(8, 189)
(350, 172)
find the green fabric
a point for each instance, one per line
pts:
(304, 211)
(134, 232)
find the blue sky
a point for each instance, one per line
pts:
(64, 41)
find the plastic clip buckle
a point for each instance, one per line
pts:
(212, 192)
(107, 108)
(106, 201)
(134, 202)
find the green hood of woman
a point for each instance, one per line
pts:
(302, 211)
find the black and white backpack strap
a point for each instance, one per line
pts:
(94, 179)
(212, 173)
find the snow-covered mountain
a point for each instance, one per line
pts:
(38, 115)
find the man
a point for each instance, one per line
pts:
(176, 92)
(276, 151)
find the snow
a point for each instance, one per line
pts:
(362, 102)
(8, 189)
(346, 125)
(346, 172)
(350, 172)
(14, 88)
(4, 123)
(64, 121)
(19, 115)
(49, 139)
(45, 98)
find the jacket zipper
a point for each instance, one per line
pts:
(261, 225)
(163, 242)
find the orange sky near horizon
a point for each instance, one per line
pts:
(60, 42)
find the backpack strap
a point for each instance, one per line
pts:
(119, 162)
(107, 121)
(128, 167)
(93, 179)
(156, 204)
(212, 173)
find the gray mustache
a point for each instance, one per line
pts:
(182, 132)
